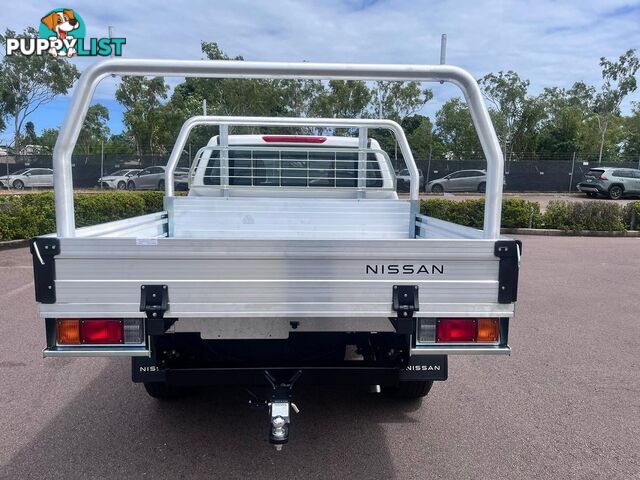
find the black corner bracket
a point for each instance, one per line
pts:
(154, 300)
(508, 251)
(405, 303)
(43, 250)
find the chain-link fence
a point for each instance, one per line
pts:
(526, 175)
(539, 175)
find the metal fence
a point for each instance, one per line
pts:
(526, 175)
(520, 175)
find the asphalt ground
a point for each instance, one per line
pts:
(565, 405)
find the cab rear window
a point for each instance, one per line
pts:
(257, 167)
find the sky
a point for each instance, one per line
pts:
(549, 42)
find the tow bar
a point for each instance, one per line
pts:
(279, 407)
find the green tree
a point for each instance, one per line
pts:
(224, 96)
(28, 82)
(455, 129)
(507, 92)
(4, 109)
(47, 138)
(565, 125)
(342, 99)
(619, 80)
(297, 97)
(120, 143)
(141, 97)
(524, 137)
(419, 132)
(632, 132)
(94, 129)
(396, 100)
(30, 137)
(232, 96)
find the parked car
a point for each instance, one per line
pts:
(152, 178)
(403, 180)
(611, 182)
(460, 181)
(181, 178)
(28, 177)
(118, 179)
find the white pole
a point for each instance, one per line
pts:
(101, 161)
(429, 164)
(204, 106)
(573, 162)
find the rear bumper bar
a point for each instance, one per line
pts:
(591, 188)
(143, 352)
(462, 350)
(95, 352)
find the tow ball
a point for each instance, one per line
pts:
(279, 406)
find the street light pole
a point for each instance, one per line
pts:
(443, 51)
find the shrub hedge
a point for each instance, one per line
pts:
(580, 216)
(28, 215)
(516, 212)
(632, 215)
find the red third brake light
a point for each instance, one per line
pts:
(101, 331)
(293, 139)
(455, 330)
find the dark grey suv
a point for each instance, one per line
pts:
(611, 182)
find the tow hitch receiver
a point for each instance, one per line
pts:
(279, 409)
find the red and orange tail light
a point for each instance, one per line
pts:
(458, 330)
(99, 331)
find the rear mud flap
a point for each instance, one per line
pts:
(425, 367)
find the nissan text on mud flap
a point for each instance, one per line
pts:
(291, 260)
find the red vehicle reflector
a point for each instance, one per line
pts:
(293, 139)
(101, 331)
(455, 330)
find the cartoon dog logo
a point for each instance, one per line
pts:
(62, 23)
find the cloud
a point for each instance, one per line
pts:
(549, 42)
